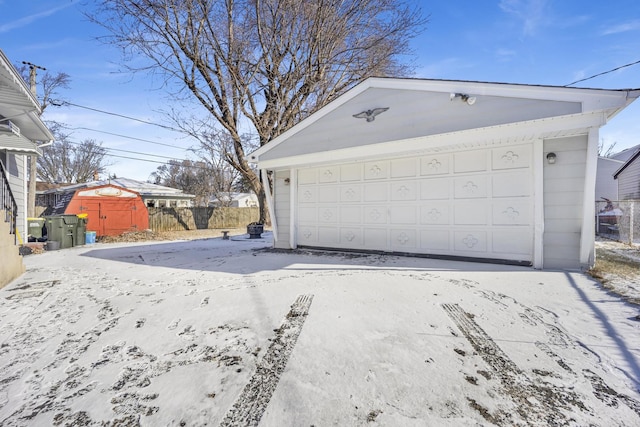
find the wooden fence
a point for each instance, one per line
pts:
(199, 218)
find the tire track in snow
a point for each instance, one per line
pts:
(537, 403)
(252, 402)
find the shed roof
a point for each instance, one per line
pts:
(632, 159)
(145, 189)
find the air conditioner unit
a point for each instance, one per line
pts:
(7, 126)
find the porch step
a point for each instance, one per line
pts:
(11, 266)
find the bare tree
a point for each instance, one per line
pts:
(199, 178)
(69, 162)
(260, 66)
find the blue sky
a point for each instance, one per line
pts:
(550, 42)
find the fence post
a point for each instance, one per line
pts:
(631, 214)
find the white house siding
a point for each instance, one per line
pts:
(606, 186)
(473, 203)
(282, 207)
(629, 181)
(563, 196)
(15, 168)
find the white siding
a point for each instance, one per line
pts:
(563, 195)
(629, 181)
(282, 208)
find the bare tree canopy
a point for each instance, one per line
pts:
(49, 83)
(69, 162)
(260, 66)
(199, 178)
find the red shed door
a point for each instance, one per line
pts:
(110, 218)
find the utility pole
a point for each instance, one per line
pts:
(33, 160)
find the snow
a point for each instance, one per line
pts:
(232, 332)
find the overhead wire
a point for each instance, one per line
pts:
(603, 73)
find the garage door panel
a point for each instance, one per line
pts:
(328, 215)
(376, 192)
(375, 215)
(470, 187)
(328, 175)
(307, 194)
(403, 240)
(435, 240)
(308, 235)
(328, 236)
(376, 170)
(307, 215)
(511, 157)
(328, 194)
(350, 193)
(516, 184)
(351, 237)
(403, 215)
(351, 173)
(513, 242)
(470, 241)
(435, 189)
(375, 238)
(404, 168)
(307, 176)
(511, 213)
(472, 161)
(434, 165)
(404, 190)
(434, 213)
(350, 214)
(470, 213)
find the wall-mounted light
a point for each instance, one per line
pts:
(551, 158)
(287, 181)
(463, 97)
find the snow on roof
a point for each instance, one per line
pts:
(146, 189)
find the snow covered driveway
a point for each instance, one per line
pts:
(229, 332)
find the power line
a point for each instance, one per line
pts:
(603, 73)
(124, 136)
(128, 151)
(59, 103)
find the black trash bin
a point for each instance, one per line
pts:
(255, 230)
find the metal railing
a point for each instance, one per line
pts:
(619, 220)
(8, 204)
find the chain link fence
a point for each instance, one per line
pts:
(619, 220)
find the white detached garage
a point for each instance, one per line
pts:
(489, 171)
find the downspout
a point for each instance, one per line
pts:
(538, 203)
(269, 197)
(293, 197)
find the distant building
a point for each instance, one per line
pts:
(235, 200)
(153, 195)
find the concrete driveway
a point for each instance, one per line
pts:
(230, 332)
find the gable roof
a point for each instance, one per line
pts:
(418, 108)
(625, 154)
(627, 163)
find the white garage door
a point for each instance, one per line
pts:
(476, 203)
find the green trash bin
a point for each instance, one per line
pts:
(63, 229)
(81, 231)
(35, 229)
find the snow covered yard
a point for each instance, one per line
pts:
(228, 332)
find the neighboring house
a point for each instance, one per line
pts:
(20, 131)
(454, 169)
(111, 210)
(606, 185)
(626, 154)
(152, 195)
(235, 200)
(628, 177)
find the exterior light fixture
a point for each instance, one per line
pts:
(551, 158)
(463, 97)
